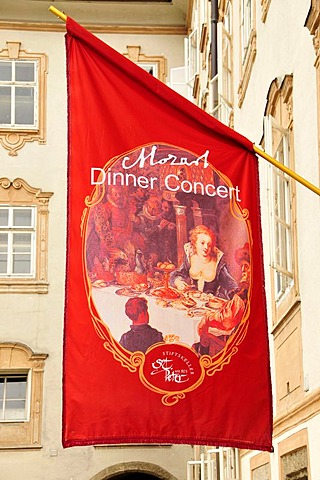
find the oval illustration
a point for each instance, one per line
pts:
(167, 261)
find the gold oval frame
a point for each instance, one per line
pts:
(135, 361)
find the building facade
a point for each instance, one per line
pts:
(264, 83)
(254, 65)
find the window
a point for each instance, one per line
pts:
(14, 397)
(22, 97)
(18, 94)
(278, 138)
(214, 463)
(21, 385)
(280, 209)
(293, 457)
(286, 314)
(23, 237)
(178, 81)
(17, 240)
(248, 43)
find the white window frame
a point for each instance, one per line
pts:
(13, 84)
(11, 230)
(178, 80)
(26, 417)
(192, 56)
(281, 228)
(220, 463)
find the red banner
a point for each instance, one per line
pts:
(165, 321)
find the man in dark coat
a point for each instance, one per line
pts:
(140, 336)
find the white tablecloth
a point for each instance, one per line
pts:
(169, 321)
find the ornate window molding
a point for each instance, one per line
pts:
(313, 24)
(159, 62)
(265, 4)
(247, 67)
(260, 466)
(18, 193)
(14, 138)
(15, 357)
(293, 456)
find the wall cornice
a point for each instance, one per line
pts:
(110, 29)
(300, 412)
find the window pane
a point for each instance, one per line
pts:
(24, 107)
(5, 105)
(21, 264)
(16, 388)
(22, 217)
(15, 410)
(21, 259)
(3, 242)
(3, 253)
(24, 72)
(22, 242)
(14, 394)
(5, 71)
(4, 217)
(3, 263)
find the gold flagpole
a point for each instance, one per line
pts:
(57, 12)
(260, 152)
(286, 170)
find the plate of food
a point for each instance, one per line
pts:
(140, 287)
(127, 292)
(165, 293)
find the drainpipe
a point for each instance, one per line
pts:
(214, 23)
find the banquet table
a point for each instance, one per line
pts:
(175, 324)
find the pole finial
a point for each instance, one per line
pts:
(57, 12)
